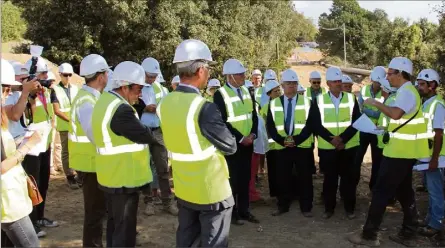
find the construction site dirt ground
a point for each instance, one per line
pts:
(289, 230)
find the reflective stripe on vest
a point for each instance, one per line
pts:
(239, 113)
(109, 149)
(429, 116)
(337, 121)
(278, 116)
(159, 91)
(198, 153)
(409, 141)
(64, 105)
(72, 135)
(258, 93)
(322, 106)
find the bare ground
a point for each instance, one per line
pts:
(289, 230)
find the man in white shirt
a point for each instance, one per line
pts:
(158, 152)
(434, 112)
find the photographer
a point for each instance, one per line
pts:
(39, 111)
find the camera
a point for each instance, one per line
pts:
(32, 73)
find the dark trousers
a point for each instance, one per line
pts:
(300, 160)
(376, 161)
(339, 164)
(94, 210)
(38, 167)
(271, 172)
(203, 228)
(239, 171)
(367, 139)
(394, 179)
(159, 155)
(122, 219)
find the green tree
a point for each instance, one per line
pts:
(134, 29)
(13, 25)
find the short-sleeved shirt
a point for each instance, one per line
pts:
(439, 114)
(405, 99)
(15, 127)
(53, 95)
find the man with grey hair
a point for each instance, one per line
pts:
(198, 139)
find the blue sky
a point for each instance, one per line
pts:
(412, 10)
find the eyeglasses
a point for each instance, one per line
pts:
(67, 75)
(316, 82)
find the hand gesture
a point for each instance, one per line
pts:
(30, 86)
(247, 141)
(370, 101)
(336, 140)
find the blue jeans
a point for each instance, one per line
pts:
(21, 233)
(434, 184)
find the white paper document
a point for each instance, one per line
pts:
(44, 129)
(424, 164)
(365, 125)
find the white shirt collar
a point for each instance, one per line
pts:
(191, 87)
(334, 97)
(91, 90)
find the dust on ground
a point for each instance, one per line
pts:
(288, 230)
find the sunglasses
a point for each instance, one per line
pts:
(67, 75)
(316, 82)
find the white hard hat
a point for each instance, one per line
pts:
(300, 88)
(7, 73)
(384, 84)
(214, 83)
(233, 66)
(346, 79)
(248, 83)
(66, 68)
(378, 73)
(19, 68)
(51, 76)
(176, 80)
(269, 74)
(127, 73)
(315, 75)
(160, 78)
(401, 64)
(256, 72)
(41, 65)
(190, 50)
(270, 85)
(334, 74)
(289, 75)
(110, 84)
(429, 75)
(151, 65)
(93, 64)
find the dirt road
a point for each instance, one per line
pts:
(289, 230)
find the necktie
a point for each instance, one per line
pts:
(288, 117)
(240, 95)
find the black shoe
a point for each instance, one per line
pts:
(238, 222)
(250, 218)
(404, 239)
(350, 215)
(422, 223)
(279, 212)
(327, 215)
(307, 214)
(428, 231)
(72, 183)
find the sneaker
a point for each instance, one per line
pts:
(40, 233)
(45, 222)
(149, 209)
(357, 239)
(72, 183)
(171, 208)
(327, 215)
(53, 172)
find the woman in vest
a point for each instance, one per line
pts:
(406, 141)
(15, 203)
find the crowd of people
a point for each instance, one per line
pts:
(121, 129)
